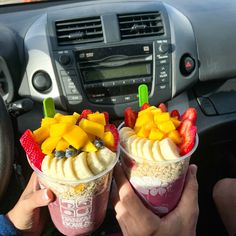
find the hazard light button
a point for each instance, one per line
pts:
(187, 65)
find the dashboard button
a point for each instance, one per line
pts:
(41, 81)
(64, 59)
(187, 65)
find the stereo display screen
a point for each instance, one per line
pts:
(101, 74)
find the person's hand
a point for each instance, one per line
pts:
(27, 216)
(135, 219)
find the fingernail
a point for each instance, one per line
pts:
(45, 195)
(193, 170)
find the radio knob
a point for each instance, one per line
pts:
(64, 59)
(163, 48)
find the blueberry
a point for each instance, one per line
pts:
(59, 154)
(98, 143)
(71, 152)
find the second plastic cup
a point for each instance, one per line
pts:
(80, 206)
(159, 184)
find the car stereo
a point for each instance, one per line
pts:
(111, 75)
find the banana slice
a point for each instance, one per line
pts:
(46, 164)
(147, 150)
(106, 156)
(157, 152)
(81, 166)
(125, 133)
(53, 167)
(129, 142)
(168, 149)
(95, 164)
(140, 145)
(134, 150)
(60, 168)
(69, 169)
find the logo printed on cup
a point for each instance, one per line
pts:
(76, 213)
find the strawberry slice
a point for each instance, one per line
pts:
(188, 140)
(163, 107)
(130, 117)
(106, 115)
(185, 126)
(84, 114)
(191, 114)
(145, 106)
(32, 148)
(175, 113)
(112, 128)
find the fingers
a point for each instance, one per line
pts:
(38, 199)
(188, 204)
(126, 194)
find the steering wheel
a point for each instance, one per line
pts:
(6, 147)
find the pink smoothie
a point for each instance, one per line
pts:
(80, 216)
(161, 200)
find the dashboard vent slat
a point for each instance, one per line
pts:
(77, 31)
(140, 25)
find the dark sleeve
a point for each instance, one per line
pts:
(7, 228)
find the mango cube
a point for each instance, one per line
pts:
(144, 119)
(76, 115)
(176, 122)
(108, 139)
(89, 147)
(41, 134)
(59, 129)
(156, 134)
(175, 136)
(92, 127)
(143, 133)
(62, 145)
(161, 117)
(49, 145)
(67, 119)
(48, 121)
(76, 137)
(166, 127)
(97, 117)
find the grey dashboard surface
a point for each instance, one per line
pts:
(213, 22)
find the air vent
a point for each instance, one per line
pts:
(140, 25)
(77, 31)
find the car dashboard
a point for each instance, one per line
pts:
(95, 54)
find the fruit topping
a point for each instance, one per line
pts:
(32, 148)
(191, 114)
(145, 106)
(84, 114)
(71, 152)
(59, 154)
(111, 137)
(175, 113)
(98, 143)
(130, 117)
(157, 124)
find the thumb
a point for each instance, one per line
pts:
(189, 201)
(38, 199)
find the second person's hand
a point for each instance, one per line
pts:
(135, 219)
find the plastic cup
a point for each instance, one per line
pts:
(80, 206)
(159, 184)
